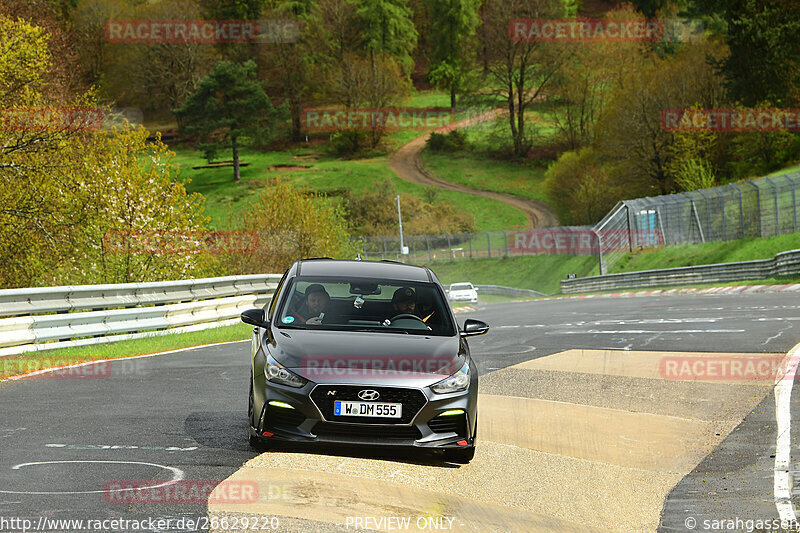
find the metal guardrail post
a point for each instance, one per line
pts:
(758, 208)
(794, 203)
(775, 191)
(741, 211)
(505, 238)
(630, 231)
(710, 225)
(488, 244)
(469, 239)
(600, 264)
(697, 220)
(661, 227)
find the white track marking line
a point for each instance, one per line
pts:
(783, 396)
(86, 363)
(177, 475)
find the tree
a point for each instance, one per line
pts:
(520, 71)
(292, 65)
(229, 110)
(292, 223)
(387, 28)
(453, 24)
(88, 22)
(362, 83)
(64, 185)
(630, 136)
(764, 63)
(581, 189)
(157, 76)
(374, 212)
(581, 90)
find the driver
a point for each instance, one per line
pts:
(404, 301)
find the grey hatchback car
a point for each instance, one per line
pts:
(363, 353)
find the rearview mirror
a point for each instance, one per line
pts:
(474, 327)
(255, 317)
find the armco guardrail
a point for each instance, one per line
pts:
(94, 314)
(785, 263)
(508, 291)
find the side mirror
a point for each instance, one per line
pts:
(476, 289)
(255, 317)
(474, 327)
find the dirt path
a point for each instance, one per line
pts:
(407, 163)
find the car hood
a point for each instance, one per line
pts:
(363, 357)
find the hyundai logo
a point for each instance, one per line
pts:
(369, 394)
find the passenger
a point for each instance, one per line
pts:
(313, 309)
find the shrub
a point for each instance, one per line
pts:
(447, 142)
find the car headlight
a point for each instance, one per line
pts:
(455, 383)
(277, 373)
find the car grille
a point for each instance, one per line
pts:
(449, 424)
(351, 433)
(284, 417)
(412, 399)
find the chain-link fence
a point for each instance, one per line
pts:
(578, 240)
(758, 208)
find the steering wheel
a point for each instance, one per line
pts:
(406, 315)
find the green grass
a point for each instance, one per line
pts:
(478, 171)
(707, 253)
(20, 364)
(224, 198)
(541, 273)
(787, 170)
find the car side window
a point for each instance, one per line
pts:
(274, 301)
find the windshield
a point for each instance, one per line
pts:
(461, 287)
(383, 305)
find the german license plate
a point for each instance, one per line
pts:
(379, 410)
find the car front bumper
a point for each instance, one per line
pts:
(309, 421)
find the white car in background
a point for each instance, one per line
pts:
(462, 292)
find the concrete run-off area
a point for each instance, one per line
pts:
(581, 440)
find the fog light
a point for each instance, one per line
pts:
(453, 412)
(275, 403)
(267, 434)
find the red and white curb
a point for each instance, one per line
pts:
(463, 309)
(740, 289)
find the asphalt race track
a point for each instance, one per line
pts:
(581, 428)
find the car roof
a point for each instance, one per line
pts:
(366, 269)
